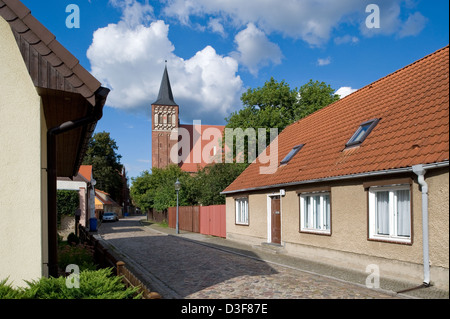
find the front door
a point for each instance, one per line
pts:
(276, 220)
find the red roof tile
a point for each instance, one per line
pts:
(413, 105)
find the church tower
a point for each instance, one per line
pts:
(164, 119)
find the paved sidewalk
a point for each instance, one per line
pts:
(191, 265)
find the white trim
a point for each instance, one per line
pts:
(236, 201)
(302, 213)
(392, 236)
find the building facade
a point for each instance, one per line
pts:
(361, 182)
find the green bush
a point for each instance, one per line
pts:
(73, 239)
(94, 284)
(7, 292)
(81, 255)
(67, 202)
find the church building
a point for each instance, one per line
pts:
(193, 146)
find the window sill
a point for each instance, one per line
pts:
(315, 232)
(391, 240)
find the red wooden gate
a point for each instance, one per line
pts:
(207, 220)
(213, 220)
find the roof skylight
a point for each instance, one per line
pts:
(362, 132)
(291, 154)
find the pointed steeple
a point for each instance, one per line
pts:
(165, 96)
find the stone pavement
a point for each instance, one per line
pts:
(195, 266)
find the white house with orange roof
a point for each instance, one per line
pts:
(84, 183)
(363, 182)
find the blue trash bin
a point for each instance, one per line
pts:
(93, 224)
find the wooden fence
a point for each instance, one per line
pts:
(208, 220)
(106, 260)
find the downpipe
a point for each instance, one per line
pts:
(97, 113)
(420, 172)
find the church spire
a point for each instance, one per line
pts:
(165, 96)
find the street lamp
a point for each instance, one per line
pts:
(177, 188)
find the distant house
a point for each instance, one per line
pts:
(363, 181)
(105, 204)
(84, 183)
(49, 105)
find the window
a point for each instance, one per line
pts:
(390, 213)
(315, 213)
(291, 154)
(242, 211)
(362, 132)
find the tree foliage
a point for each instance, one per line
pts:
(102, 155)
(276, 105)
(67, 201)
(212, 180)
(157, 189)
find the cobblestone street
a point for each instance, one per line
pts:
(181, 268)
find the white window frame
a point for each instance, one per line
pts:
(393, 222)
(241, 211)
(324, 225)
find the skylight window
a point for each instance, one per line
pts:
(291, 154)
(362, 132)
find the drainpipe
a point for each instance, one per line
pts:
(420, 172)
(97, 113)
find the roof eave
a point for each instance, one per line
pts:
(338, 178)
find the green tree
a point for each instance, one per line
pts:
(314, 95)
(156, 189)
(102, 155)
(213, 179)
(276, 105)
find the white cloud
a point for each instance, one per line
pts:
(255, 50)
(128, 57)
(216, 26)
(413, 26)
(313, 21)
(323, 62)
(346, 39)
(344, 91)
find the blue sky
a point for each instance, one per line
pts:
(218, 49)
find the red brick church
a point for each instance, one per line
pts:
(192, 146)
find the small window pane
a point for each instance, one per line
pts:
(382, 213)
(403, 213)
(362, 132)
(242, 211)
(291, 154)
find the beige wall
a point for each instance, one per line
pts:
(348, 245)
(21, 188)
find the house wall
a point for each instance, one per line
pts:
(22, 196)
(348, 245)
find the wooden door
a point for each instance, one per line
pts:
(276, 220)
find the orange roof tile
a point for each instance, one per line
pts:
(86, 172)
(413, 105)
